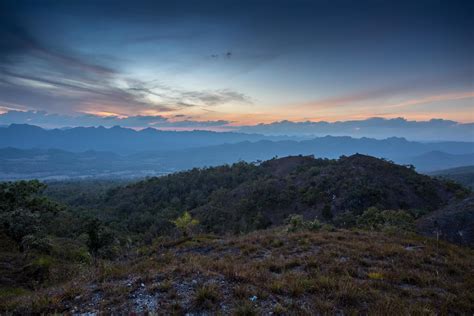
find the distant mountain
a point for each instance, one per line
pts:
(462, 175)
(125, 140)
(116, 139)
(397, 149)
(436, 160)
(53, 163)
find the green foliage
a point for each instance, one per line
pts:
(102, 217)
(24, 211)
(100, 239)
(297, 223)
(374, 219)
(244, 197)
(185, 223)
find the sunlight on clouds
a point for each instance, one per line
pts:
(35, 83)
(104, 114)
(434, 98)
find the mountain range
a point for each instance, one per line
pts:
(28, 151)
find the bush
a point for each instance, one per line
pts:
(297, 223)
(374, 219)
(185, 223)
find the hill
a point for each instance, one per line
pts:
(295, 234)
(454, 222)
(463, 175)
(244, 197)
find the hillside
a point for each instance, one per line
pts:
(463, 175)
(436, 160)
(290, 234)
(244, 197)
(341, 272)
(454, 222)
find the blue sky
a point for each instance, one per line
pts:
(239, 62)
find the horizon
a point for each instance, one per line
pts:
(383, 129)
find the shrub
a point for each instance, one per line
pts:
(297, 223)
(374, 219)
(185, 223)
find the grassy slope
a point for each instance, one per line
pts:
(303, 272)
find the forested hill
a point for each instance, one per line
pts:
(244, 196)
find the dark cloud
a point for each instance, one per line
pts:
(39, 74)
(68, 56)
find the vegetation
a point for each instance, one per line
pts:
(185, 223)
(245, 197)
(273, 271)
(295, 234)
(462, 175)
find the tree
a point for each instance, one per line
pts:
(23, 211)
(327, 213)
(185, 223)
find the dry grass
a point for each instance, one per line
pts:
(279, 272)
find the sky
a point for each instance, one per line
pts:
(223, 64)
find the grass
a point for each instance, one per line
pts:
(375, 275)
(206, 296)
(326, 272)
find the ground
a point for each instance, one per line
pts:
(270, 272)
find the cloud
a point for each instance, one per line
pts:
(405, 87)
(375, 127)
(434, 129)
(434, 98)
(184, 98)
(48, 120)
(38, 73)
